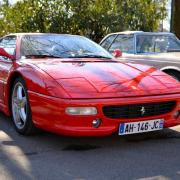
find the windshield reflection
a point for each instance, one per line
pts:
(61, 46)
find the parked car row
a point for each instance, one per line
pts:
(70, 85)
(161, 50)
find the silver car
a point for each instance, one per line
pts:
(161, 50)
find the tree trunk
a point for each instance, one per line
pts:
(175, 17)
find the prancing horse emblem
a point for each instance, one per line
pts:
(143, 110)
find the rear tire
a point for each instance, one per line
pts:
(174, 74)
(20, 108)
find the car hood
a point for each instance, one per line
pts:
(107, 79)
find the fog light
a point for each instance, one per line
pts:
(81, 111)
(96, 123)
(176, 114)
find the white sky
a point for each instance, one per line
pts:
(166, 22)
(11, 1)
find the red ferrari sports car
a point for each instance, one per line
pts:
(69, 85)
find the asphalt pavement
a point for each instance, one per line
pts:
(46, 156)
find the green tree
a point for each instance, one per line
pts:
(92, 18)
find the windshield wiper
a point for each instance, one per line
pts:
(173, 50)
(42, 56)
(91, 56)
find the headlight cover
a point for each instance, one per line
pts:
(84, 111)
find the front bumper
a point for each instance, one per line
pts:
(48, 113)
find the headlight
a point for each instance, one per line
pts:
(81, 111)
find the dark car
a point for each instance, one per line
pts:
(161, 50)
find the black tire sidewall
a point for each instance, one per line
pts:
(175, 75)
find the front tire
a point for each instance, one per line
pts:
(20, 108)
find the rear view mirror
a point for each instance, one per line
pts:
(6, 54)
(117, 53)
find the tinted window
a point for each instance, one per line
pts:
(156, 43)
(107, 42)
(123, 42)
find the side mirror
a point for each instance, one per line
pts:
(117, 53)
(6, 54)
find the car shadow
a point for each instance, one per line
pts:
(19, 154)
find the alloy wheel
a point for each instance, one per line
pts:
(19, 105)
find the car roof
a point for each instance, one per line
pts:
(36, 34)
(137, 32)
(142, 32)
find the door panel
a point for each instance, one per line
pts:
(4, 71)
(1, 82)
(9, 44)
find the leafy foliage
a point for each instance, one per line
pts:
(92, 18)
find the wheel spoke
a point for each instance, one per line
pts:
(19, 92)
(22, 114)
(19, 104)
(15, 101)
(16, 114)
(23, 102)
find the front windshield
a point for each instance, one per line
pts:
(61, 46)
(156, 44)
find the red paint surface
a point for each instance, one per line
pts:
(54, 84)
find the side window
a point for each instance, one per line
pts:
(9, 44)
(173, 44)
(123, 42)
(156, 43)
(107, 42)
(146, 43)
(165, 43)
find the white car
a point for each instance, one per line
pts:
(161, 50)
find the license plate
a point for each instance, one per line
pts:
(140, 127)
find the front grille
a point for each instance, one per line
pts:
(138, 110)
